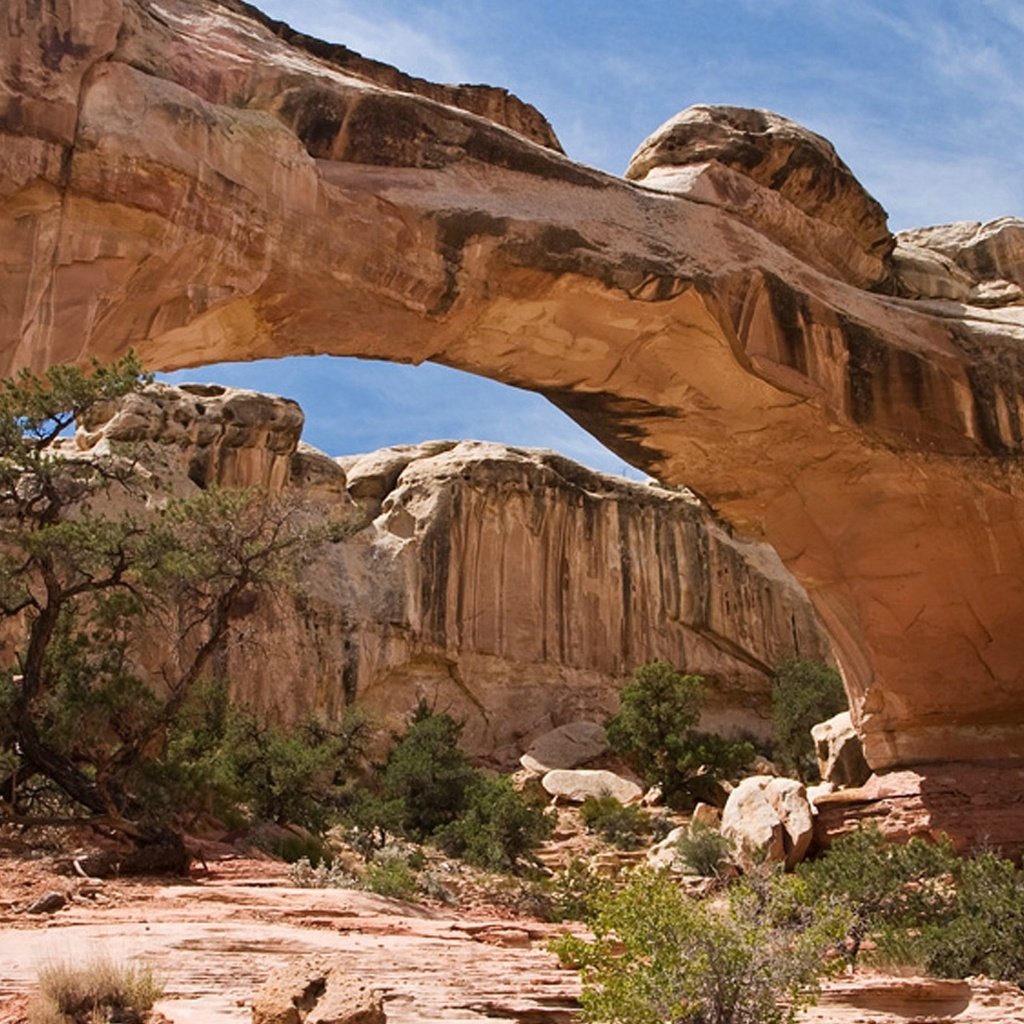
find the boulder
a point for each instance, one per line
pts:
(568, 746)
(752, 824)
(316, 990)
(788, 799)
(768, 819)
(576, 785)
(840, 752)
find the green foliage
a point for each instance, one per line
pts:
(574, 893)
(925, 906)
(661, 957)
(656, 731)
(621, 824)
(498, 828)
(224, 759)
(391, 876)
(99, 989)
(429, 791)
(427, 775)
(804, 693)
(704, 849)
(94, 595)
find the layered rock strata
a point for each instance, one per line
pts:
(510, 587)
(184, 178)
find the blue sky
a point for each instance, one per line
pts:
(924, 99)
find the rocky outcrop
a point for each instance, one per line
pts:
(511, 587)
(976, 805)
(568, 746)
(181, 178)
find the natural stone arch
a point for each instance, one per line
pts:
(191, 185)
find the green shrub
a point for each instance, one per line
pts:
(804, 693)
(391, 876)
(621, 824)
(656, 732)
(924, 906)
(427, 776)
(429, 791)
(704, 849)
(99, 989)
(661, 957)
(574, 893)
(498, 828)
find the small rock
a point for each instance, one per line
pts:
(705, 814)
(789, 801)
(578, 784)
(653, 796)
(664, 854)
(48, 903)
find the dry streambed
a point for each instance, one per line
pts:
(213, 942)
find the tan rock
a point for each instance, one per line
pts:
(769, 819)
(567, 746)
(752, 823)
(788, 799)
(974, 804)
(576, 785)
(875, 441)
(777, 153)
(316, 990)
(839, 752)
(664, 854)
(705, 814)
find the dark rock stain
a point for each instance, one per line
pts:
(790, 312)
(55, 45)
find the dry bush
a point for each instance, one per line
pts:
(91, 991)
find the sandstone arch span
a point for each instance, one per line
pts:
(190, 180)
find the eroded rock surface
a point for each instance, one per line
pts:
(180, 177)
(510, 587)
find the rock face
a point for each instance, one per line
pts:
(185, 178)
(511, 587)
(976, 805)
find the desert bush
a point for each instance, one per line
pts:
(429, 791)
(99, 989)
(704, 849)
(923, 905)
(391, 876)
(656, 732)
(304, 874)
(661, 957)
(573, 893)
(804, 693)
(427, 775)
(621, 824)
(499, 827)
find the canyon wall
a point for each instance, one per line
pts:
(187, 179)
(510, 587)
